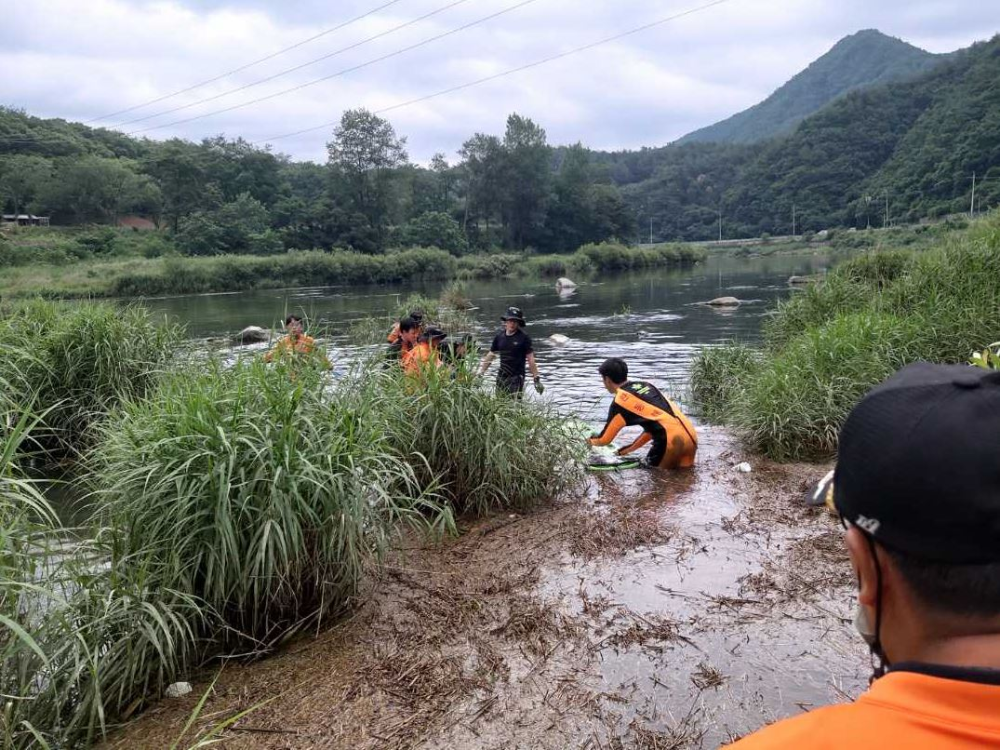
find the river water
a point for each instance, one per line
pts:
(652, 319)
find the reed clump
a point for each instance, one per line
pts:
(830, 344)
(81, 360)
(485, 453)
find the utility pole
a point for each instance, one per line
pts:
(720, 222)
(793, 220)
(972, 205)
(650, 230)
(885, 220)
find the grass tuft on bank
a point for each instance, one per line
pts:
(828, 345)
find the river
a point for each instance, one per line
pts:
(652, 319)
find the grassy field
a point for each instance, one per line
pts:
(826, 346)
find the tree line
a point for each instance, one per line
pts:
(509, 191)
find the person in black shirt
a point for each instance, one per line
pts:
(514, 347)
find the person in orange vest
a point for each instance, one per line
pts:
(638, 403)
(409, 331)
(296, 343)
(417, 316)
(425, 356)
(917, 488)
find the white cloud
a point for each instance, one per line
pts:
(65, 58)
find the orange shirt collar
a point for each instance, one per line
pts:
(957, 701)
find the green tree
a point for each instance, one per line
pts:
(239, 226)
(434, 229)
(96, 189)
(21, 178)
(482, 177)
(527, 176)
(180, 173)
(366, 151)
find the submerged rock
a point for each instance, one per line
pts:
(796, 280)
(558, 339)
(564, 283)
(724, 302)
(252, 335)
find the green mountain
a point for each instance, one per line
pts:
(906, 148)
(864, 59)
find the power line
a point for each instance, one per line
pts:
(228, 73)
(285, 72)
(344, 71)
(511, 71)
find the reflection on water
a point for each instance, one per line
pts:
(652, 319)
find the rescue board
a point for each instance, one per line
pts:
(604, 457)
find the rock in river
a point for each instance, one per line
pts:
(252, 335)
(564, 283)
(724, 302)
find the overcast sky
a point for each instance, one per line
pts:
(86, 59)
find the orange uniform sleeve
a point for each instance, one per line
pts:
(640, 441)
(614, 425)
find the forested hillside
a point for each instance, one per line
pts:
(903, 151)
(864, 59)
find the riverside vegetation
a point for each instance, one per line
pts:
(62, 265)
(231, 508)
(826, 346)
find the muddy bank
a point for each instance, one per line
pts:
(643, 612)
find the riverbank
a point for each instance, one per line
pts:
(829, 344)
(172, 275)
(643, 611)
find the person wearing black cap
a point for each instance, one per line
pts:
(917, 486)
(515, 350)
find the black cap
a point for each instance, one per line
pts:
(513, 313)
(433, 333)
(919, 464)
(417, 315)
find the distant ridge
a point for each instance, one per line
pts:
(863, 59)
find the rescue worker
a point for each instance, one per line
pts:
(917, 487)
(416, 315)
(409, 331)
(515, 350)
(636, 402)
(425, 356)
(296, 343)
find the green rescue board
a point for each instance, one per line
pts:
(601, 458)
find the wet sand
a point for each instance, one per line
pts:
(641, 611)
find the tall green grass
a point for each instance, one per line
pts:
(82, 360)
(250, 489)
(485, 453)
(827, 346)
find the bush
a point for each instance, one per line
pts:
(794, 405)
(82, 360)
(248, 489)
(485, 453)
(433, 229)
(831, 343)
(719, 375)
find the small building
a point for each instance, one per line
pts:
(26, 220)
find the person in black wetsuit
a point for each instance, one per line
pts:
(515, 350)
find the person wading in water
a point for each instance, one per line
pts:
(515, 349)
(917, 488)
(295, 343)
(638, 403)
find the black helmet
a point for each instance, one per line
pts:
(513, 313)
(417, 315)
(433, 333)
